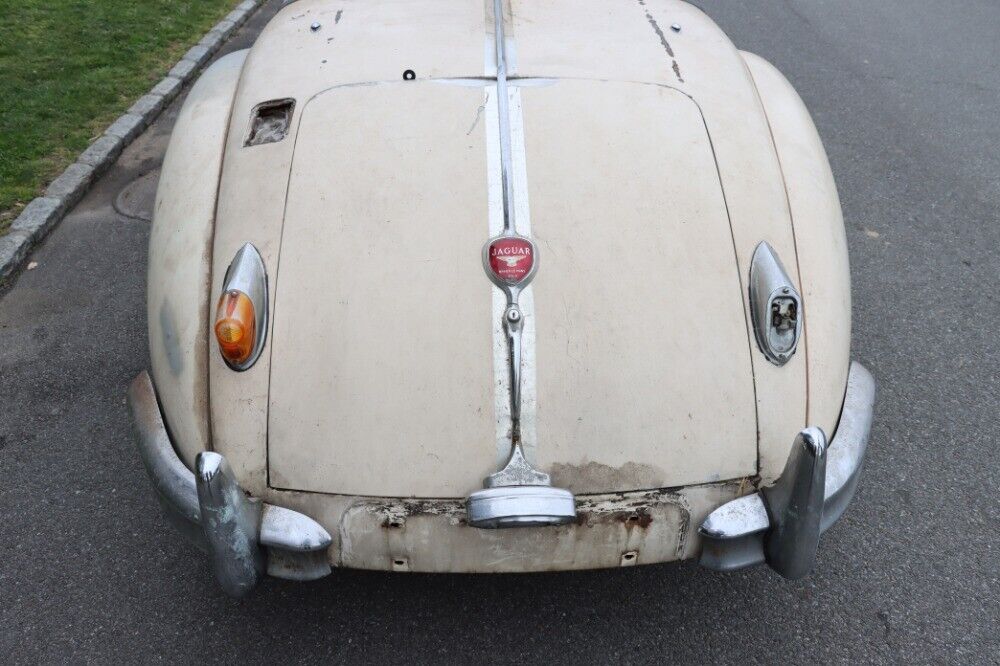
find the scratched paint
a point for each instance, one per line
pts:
(663, 41)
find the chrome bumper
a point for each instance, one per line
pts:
(244, 537)
(780, 525)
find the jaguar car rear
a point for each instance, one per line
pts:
(498, 286)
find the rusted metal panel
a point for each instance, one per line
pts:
(610, 531)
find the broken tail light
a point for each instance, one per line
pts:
(775, 306)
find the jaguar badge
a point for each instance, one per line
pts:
(510, 261)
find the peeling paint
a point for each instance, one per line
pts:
(479, 114)
(663, 41)
(433, 535)
(395, 512)
(659, 32)
(677, 71)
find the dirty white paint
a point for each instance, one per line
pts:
(644, 368)
(819, 240)
(180, 256)
(557, 43)
(372, 41)
(432, 536)
(381, 377)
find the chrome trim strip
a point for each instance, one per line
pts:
(850, 444)
(527, 416)
(512, 84)
(509, 217)
(503, 109)
(526, 301)
(540, 504)
(733, 536)
(293, 545)
(173, 482)
(513, 316)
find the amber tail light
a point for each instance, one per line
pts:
(235, 327)
(241, 315)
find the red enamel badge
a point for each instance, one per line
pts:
(511, 259)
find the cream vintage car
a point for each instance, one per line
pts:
(417, 273)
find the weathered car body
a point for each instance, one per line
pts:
(687, 316)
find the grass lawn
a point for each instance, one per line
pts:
(70, 67)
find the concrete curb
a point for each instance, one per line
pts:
(45, 212)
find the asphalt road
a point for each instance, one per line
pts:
(905, 95)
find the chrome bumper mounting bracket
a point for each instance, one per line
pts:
(795, 505)
(230, 520)
(519, 496)
(781, 524)
(244, 536)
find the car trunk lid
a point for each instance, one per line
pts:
(387, 373)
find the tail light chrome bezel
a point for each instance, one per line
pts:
(775, 306)
(246, 274)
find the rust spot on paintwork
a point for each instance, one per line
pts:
(632, 510)
(639, 516)
(394, 514)
(598, 478)
(614, 524)
(642, 518)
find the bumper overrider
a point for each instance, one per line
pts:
(781, 524)
(246, 538)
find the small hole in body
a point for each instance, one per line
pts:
(269, 122)
(409, 75)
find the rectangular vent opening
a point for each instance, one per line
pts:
(269, 122)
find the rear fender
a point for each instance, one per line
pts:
(820, 241)
(180, 253)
